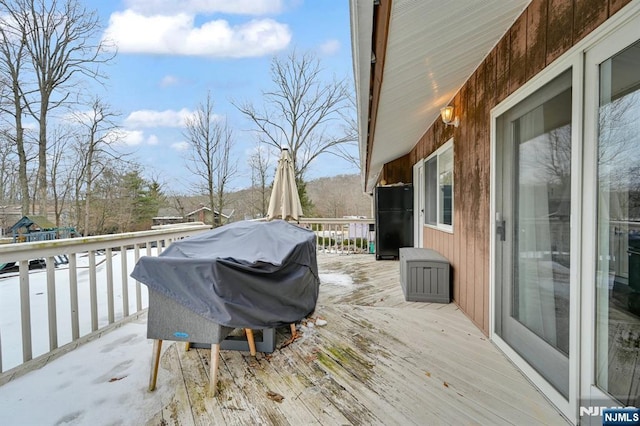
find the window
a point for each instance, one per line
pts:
(439, 188)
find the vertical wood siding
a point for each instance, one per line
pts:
(399, 170)
(545, 30)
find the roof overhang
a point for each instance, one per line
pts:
(432, 48)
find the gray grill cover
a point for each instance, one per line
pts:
(245, 274)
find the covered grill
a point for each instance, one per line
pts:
(251, 275)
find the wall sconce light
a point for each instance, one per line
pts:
(447, 117)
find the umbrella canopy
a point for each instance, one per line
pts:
(285, 201)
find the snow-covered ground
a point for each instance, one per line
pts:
(101, 383)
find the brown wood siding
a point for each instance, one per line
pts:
(559, 28)
(545, 30)
(616, 5)
(588, 15)
(399, 170)
(536, 37)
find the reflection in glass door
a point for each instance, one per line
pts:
(618, 236)
(533, 255)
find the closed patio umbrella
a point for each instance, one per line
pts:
(285, 201)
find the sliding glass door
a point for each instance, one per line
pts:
(617, 299)
(533, 205)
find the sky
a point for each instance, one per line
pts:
(171, 53)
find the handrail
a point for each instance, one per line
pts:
(70, 249)
(347, 235)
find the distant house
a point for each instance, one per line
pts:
(203, 214)
(38, 228)
(167, 216)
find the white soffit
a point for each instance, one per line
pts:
(433, 47)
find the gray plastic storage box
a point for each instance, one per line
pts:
(424, 275)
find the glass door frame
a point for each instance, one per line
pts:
(418, 203)
(573, 62)
(626, 34)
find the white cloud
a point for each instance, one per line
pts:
(150, 118)
(180, 146)
(330, 47)
(133, 32)
(169, 80)
(242, 7)
(153, 140)
(129, 137)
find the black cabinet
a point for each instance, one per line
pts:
(394, 220)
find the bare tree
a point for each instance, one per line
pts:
(209, 159)
(60, 170)
(226, 169)
(61, 41)
(349, 151)
(94, 150)
(299, 109)
(12, 58)
(9, 187)
(259, 163)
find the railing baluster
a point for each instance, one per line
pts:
(51, 303)
(68, 251)
(138, 288)
(73, 295)
(25, 309)
(324, 240)
(93, 290)
(125, 281)
(110, 301)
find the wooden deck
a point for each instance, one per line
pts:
(378, 360)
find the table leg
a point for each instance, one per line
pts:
(155, 362)
(251, 341)
(213, 375)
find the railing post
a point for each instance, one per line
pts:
(93, 290)
(125, 281)
(136, 250)
(73, 295)
(25, 310)
(110, 299)
(51, 303)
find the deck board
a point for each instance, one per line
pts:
(378, 360)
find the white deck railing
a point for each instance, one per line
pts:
(68, 321)
(341, 235)
(71, 250)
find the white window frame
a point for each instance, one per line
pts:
(428, 196)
